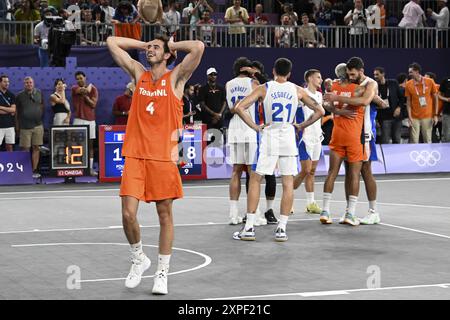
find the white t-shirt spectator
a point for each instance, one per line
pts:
(172, 21)
(286, 34)
(185, 14)
(41, 31)
(412, 15)
(373, 17)
(9, 6)
(359, 21)
(109, 13)
(442, 19)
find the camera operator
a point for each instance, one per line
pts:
(61, 37)
(357, 20)
(6, 15)
(41, 38)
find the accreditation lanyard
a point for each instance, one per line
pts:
(5, 99)
(386, 100)
(422, 99)
(423, 87)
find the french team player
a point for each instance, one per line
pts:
(309, 141)
(280, 99)
(242, 140)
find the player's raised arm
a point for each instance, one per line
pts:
(183, 71)
(313, 105)
(241, 106)
(117, 47)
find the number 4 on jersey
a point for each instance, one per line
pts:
(150, 108)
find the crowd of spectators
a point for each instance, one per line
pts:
(300, 23)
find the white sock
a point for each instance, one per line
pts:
(91, 163)
(269, 204)
(309, 198)
(352, 200)
(250, 221)
(234, 205)
(326, 201)
(283, 222)
(163, 262)
(373, 205)
(136, 250)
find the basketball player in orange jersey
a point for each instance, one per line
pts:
(355, 74)
(150, 146)
(347, 142)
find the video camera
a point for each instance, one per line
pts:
(54, 21)
(60, 40)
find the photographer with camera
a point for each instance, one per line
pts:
(357, 20)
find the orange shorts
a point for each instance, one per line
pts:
(150, 180)
(353, 153)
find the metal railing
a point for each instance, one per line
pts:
(224, 35)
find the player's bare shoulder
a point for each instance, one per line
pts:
(301, 92)
(359, 91)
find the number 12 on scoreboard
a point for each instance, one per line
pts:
(71, 154)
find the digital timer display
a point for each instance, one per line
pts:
(69, 147)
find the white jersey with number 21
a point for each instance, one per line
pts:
(280, 106)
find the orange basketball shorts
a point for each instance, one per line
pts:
(150, 180)
(352, 153)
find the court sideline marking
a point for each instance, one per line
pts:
(210, 186)
(210, 224)
(120, 227)
(333, 292)
(219, 198)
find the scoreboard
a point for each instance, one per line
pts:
(191, 163)
(110, 148)
(69, 149)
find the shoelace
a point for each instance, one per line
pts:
(161, 274)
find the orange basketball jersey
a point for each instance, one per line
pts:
(347, 131)
(154, 120)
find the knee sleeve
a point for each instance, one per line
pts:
(271, 186)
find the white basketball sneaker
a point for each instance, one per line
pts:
(138, 267)
(260, 220)
(160, 282)
(234, 217)
(372, 218)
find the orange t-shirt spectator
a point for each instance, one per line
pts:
(122, 105)
(421, 104)
(415, 90)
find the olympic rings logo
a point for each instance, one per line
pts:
(425, 158)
